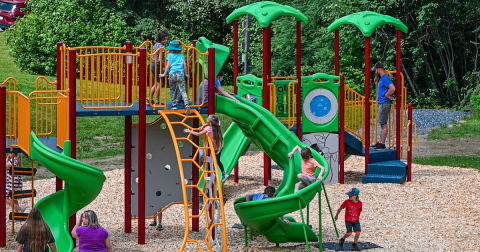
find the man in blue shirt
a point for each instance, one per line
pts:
(384, 99)
(218, 89)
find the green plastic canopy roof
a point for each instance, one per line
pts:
(367, 22)
(265, 12)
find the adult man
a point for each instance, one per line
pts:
(384, 99)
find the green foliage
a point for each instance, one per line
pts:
(77, 23)
(475, 100)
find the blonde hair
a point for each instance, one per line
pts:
(92, 219)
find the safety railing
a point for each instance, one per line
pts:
(354, 112)
(292, 104)
(196, 69)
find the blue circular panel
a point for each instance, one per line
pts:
(320, 106)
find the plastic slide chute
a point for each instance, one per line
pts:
(268, 133)
(83, 183)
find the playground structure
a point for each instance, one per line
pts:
(114, 81)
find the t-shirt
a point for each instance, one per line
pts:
(259, 196)
(26, 241)
(309, 167)
(202, 96)
(155, 48)
(352, 210)
(383, 84)
(209, 130)
(176, 62)
(92, 239)
(17, 182)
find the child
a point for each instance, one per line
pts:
(215, 132)
(353, 207)
(309, 166)
(251, 97)
(268, 193)
(177, 69)
(159, 223)
(162, 38)
(218, 89)
(35, 234)
(14, 160)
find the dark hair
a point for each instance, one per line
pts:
(162, 35)
(221, 74)
(36, 231)
(217, 131)
(306, 153)
(270, 191)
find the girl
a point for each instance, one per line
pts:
(35, 235)
(162, 38)
(176, 68)
(93, 237)
(215, 132)
(14, 160)
(309, 166)
(353, 207)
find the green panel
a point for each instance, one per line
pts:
(367, 22)
(282, 110)
(245, 87)
(281, 88)
(269, 134)
(265, 12)
(221, 54)
(310, 83)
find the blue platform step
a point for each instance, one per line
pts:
(393, 171)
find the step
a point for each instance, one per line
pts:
(353, 144)
(393, 167)
(382, 155)
(381, 178)
(23, 194)
(23, 171)
(18, 216)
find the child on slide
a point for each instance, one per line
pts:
(268, 193)
(353, 207)
(215, 132)
(309, 166)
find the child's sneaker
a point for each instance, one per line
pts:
(153, 224)
(174, 107)
(159, 227)
(341, 242)
(187, 110)
(355, 247)
(225, 177)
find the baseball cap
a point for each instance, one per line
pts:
(353, 192)
(378, 65)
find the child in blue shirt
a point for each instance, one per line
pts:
(218, 89)
(177, 70)
(268, 193)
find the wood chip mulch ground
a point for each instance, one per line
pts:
(438, 211)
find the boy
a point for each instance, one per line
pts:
(353, 208)
(268, 193)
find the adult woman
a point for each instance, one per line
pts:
(35, 235)
(93, 237)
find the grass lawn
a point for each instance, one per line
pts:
(453, 161)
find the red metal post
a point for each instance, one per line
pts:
(410, 146)
(299, 80)
(128, 145)
(60, 59)
(211, 81)
(266, 158)
(235, 75)
(366, 126)
(341, 129)
(72, 130)
(337, 52)
(196, 141)
(399, 95)
(142, 121)
(3, 150)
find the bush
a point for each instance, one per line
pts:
(33, 39)
(475, 100)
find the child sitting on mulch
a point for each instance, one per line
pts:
(309, 166)
(353, 207)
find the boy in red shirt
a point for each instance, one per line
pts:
(353, 207)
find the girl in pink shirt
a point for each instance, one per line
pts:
(215, 132)
(309, 166)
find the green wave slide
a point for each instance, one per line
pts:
(268, 133)
(83, 183)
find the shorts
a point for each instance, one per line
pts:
(353, 225)
(156, 66)
(384, 112)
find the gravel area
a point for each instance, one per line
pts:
(427, 119)
(438, 211)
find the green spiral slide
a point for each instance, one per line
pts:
(268, 133)
(83, 183)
